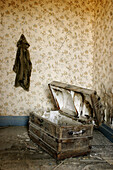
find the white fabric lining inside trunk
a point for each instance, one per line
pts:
(71, 101)
(57, 118)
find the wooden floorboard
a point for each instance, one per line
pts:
(18, 152)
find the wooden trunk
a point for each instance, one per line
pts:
(67, 131)
(59, 141)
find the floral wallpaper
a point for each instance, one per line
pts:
(61, 36)
(103, 51)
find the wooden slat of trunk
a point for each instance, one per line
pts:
(43, 145)
(61, 139)
(76, 144)
(45, 137)
(96, 108)
(73, 153)
(72, 87)
(60, 145)
(59, 155)
(46, 125)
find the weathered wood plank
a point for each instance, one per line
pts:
(49, 140)
(71, 87)
(109, 160)
(43, 145)
(46, 125)
(83, 130)
(60, 145)
(73, 153)
(59, 155)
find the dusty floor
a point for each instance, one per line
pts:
(17, 152)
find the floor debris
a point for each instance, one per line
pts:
(59, 165)
(109, 160)
(16, 153)
(95, 156)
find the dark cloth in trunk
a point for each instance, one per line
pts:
(23, 65)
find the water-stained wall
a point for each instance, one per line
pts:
(60, 35)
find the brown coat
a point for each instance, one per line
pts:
(23, 65)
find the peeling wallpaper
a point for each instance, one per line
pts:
(62, 47)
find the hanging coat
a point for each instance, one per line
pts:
(23, 65)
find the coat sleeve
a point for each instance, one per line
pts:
(29, 63)
(16, 65)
